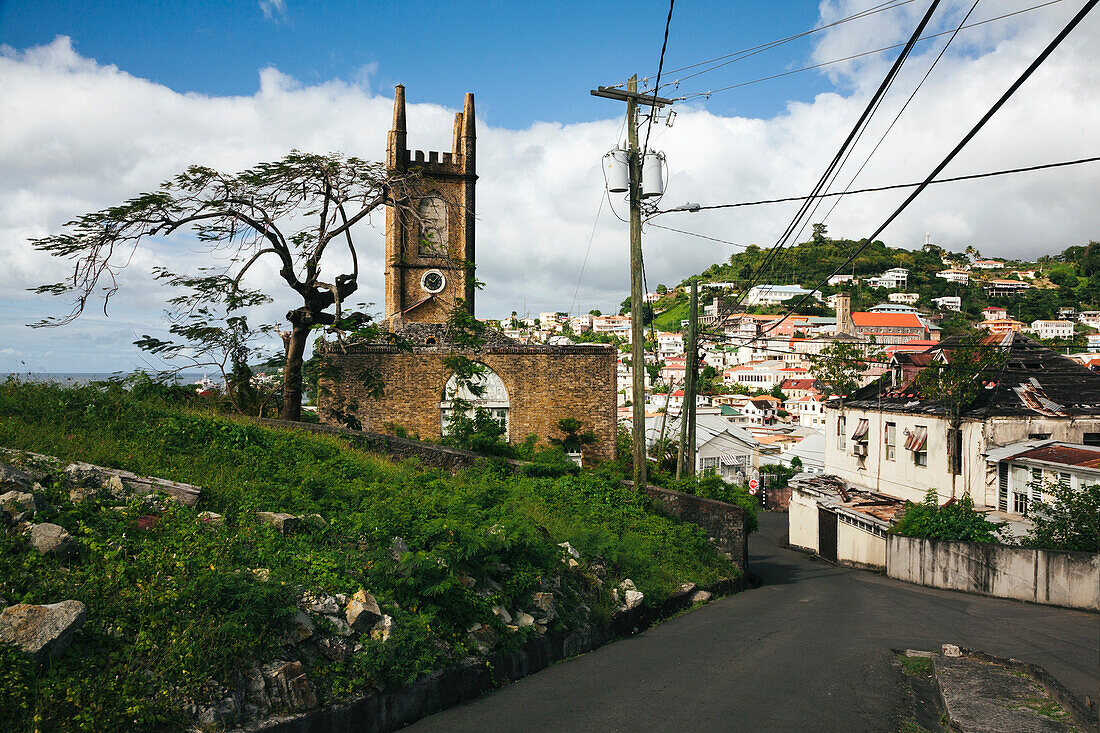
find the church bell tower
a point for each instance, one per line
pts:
(430, 238)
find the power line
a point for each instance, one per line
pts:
(953, 179)
(660, 67)
(701, 236)
(857, 129)
(1089, 5)
(587, 249)
(709, 92)
(903, 108)
(752, 51)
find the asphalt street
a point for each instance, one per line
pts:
(810, 649)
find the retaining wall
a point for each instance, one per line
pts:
(1049, 577)
(472, 677)
(725, 524)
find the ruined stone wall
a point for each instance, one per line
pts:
(725, 524)
(544, 383)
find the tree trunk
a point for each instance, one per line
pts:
(292, 372)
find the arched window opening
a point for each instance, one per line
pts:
(432, 211)
(493, 398)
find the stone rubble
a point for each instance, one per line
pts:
(632, 597)
(42, 630)
(52, 539)
(362, 611)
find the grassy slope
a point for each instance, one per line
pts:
(670, 319)
(175, 609)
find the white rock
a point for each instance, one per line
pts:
(951, 650)
(570, 550)
(700, 596)
(524, 619)
(502, 614)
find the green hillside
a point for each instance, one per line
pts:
(1068, 279)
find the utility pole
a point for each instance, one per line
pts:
(637, 328)
(690, 375)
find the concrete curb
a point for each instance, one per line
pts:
(473, 677)
(1082, 717)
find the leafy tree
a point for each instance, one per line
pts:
(661, 289)
(593, 312)
(838, 367)
(1070, 522)
(957, 520)
(956, 385)
(292, 210)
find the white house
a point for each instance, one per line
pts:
(997, 286)
(773, 294)
(841, 523)
(1089, 318)
(907, 298)
(994, 313)
(1027, 470)
(839, 279)
(949, 303)
(580, 324)
(987, 265)
(669, 344)
(897, 277)
(1052, 329)
(721, 447)
(956, 276)
(809, 410)
(888, 439)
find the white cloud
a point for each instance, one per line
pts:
(80, 135)
(273, 10)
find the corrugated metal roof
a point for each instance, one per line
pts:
(1066, 454)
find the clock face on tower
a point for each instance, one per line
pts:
(433, 281)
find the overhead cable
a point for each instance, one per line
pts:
(1074, 21)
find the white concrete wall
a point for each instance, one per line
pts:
(1070, 579)
(857, 547)
(903, 479)
(802, 521)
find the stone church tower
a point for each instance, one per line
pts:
(430, 255)
(528, 388)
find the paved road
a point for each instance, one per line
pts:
(807, 650)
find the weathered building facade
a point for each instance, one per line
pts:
(429, 274)
(887, 438)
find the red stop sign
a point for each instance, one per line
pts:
(753, 484)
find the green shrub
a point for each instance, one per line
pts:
(954, 521)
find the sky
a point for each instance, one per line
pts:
(104, 100)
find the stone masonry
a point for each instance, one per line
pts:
(544, 383)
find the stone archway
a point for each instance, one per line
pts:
(494, 398)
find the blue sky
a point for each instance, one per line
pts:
(103, 100)
(528, 61)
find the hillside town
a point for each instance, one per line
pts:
(702, 394)
(763, 403)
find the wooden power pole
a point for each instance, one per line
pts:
(637, 328)
(691, 373)
(685, 464)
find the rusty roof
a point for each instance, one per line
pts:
(1065, 454)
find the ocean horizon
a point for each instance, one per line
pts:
(75, 378)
